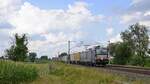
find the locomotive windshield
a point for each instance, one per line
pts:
(101, 51)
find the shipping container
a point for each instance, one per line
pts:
(77, 56)
(83, 56)
(88, 56)
(72, 57)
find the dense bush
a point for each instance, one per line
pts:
(147, 62)
(15, 73)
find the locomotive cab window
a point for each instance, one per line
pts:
(101, 51)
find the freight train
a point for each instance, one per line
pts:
(93, 56)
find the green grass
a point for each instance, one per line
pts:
(59, 73)
(15, 73)
(147, 62)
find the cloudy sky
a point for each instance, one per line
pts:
(49, 24)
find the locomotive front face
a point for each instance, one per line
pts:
(102, 56)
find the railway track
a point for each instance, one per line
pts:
(131, 69)
(127, 69)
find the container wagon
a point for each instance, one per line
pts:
(72, 60)
(64, 58)
(93, 56)
(87, 57)
(75, 58)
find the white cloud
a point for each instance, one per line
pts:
(136, 2)
(109, 31)
(31, 19)
(127, 18)
(139, 11)
(54, 41)
(147, 13)
(116, 39)
(146, 22)
(5, 40)
(132, 18)
(8, 8)
(139, 5)
(57, 26)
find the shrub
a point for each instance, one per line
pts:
(147, 64)
(15, 73)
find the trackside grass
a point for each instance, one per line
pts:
(60, 73)
(16, 73)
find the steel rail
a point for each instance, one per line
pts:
(137, 70)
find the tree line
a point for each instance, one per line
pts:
(134, 47)
(18, 50)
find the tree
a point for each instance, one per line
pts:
(111, 48)
(63, 54)
(137, 38)
(10, 53)
(32, 56)
(18, 51)
(122, 53)
(44, 58)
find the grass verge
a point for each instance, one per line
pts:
(16, 73)
(60, 73)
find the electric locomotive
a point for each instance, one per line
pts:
(101, 55)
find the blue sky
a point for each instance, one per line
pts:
(49, 24)
(96, 6)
